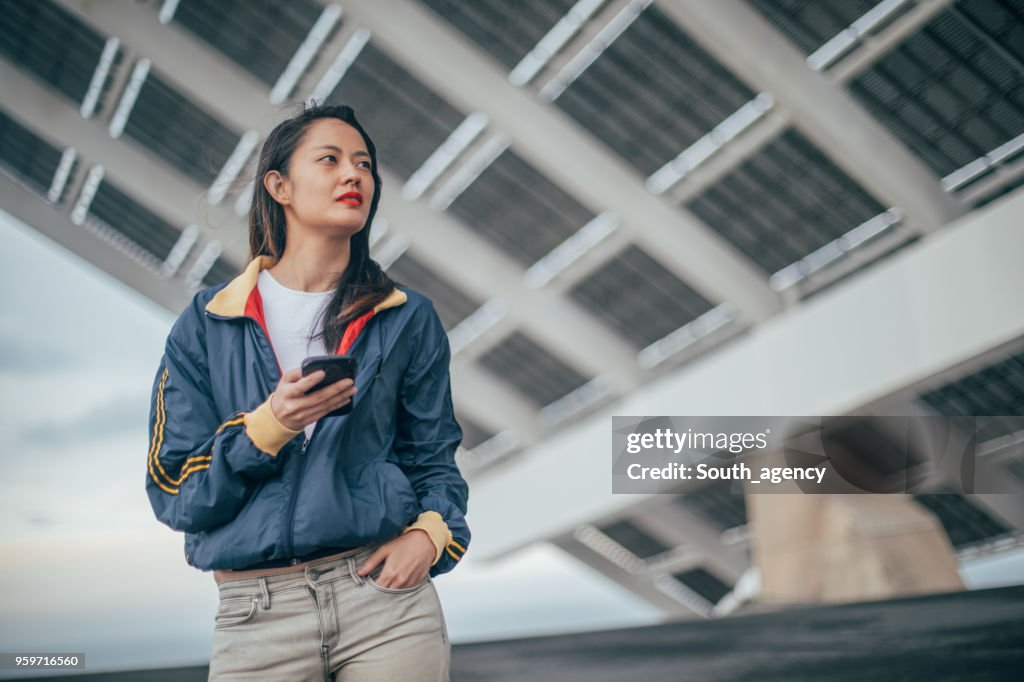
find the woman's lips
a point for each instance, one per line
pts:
(351, 198)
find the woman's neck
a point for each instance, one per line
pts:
(312, 264)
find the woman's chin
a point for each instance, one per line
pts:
(340, 230)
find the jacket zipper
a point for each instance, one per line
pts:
(294, 496)
(290, 537)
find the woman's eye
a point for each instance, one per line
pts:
(329, 156)
(365, 162)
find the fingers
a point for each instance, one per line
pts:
(294, 385)
(295, 409)
(404, 565)
(307, 382)
(331, 397)
(341, 394)
(372, 561)
(292, 376)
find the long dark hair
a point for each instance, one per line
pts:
(363, 284)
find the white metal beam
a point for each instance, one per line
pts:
(743, 40)
(588, 31)
(640, 586)
(685, 528)
(876, 46)
(730, 156)
(930, 307)
(489, 402)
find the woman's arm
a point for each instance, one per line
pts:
(201, 470)
(426, 440)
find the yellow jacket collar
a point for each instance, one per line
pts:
(230, 301)
(394, 299)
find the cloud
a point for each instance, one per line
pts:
(23, 355)
(123, 415)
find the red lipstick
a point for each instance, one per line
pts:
(351, 198)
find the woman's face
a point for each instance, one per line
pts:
(329, 185)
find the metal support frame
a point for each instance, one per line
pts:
(743, 40)
(557, 147)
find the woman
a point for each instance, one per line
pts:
(322, 531)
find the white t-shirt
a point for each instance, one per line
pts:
(290, 316)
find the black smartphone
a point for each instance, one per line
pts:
(337, 367)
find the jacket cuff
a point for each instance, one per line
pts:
(265, 432)
(436, 528)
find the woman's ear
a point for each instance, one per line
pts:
(277, 186)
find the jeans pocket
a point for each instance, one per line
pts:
(372, 582)
(235, 611)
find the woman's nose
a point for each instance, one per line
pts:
(350, 176)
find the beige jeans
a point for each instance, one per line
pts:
(325, 622)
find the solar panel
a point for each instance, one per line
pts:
(995, 390)
(954, 90)
(703, 583)
(179, 131)
(52, 44)
(1003, 191)
(406, 120)
(811, 23)
(451, 303)
(1016, 467)
(533, 371)
(638, 297)
(261, 36)
(523, 212)
(637, 541)
(135, 222)
(653, 93)
(717, 505)
(26, 156)
(965, 522)
(785, 202)
(871, 445)
(506, 30)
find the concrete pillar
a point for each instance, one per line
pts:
(843, 548)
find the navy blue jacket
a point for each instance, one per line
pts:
(247, 491)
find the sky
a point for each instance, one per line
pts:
(87, 568)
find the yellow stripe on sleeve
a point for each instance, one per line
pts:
(158, 432)
(190, 465)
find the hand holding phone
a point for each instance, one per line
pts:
(336, 368)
